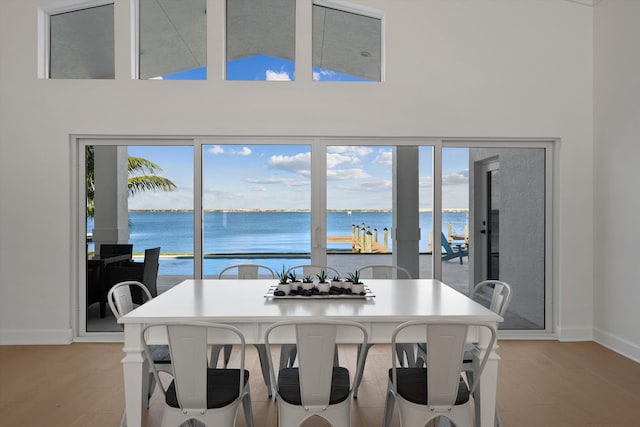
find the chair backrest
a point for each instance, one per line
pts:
(119, 297)
(313, 269)
(316, 344)
(499, 292)
(446, 341)
(445, 244)
(113, 249)
(188, 348)
(150, 271)
(247, 271)
(384, 271)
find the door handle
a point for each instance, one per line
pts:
(483, 231)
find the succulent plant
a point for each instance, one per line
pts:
(335, 279)
(307, 279)
(322, 276)
(292, 276)
(354, 277)
(282, 276)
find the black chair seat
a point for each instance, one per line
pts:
(468, 351)
(222, 388)
(160, 354)
(289, 385)
(412, 386)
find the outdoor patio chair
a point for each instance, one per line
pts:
(316, 387)
(145, 272)
(97, 286)
(248, 271)
(450, 253)
(114, 249)
(197, 392)
(423, 394)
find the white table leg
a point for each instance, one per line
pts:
(134, 370)
(485, 395)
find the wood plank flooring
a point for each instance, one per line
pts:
(541, 384)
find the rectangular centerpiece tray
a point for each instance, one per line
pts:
(367, 294)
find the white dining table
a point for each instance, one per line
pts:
(242, 303)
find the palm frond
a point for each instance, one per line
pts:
(142, 183)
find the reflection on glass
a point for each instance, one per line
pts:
(260, 39)
(172, 37)
(81, 44)
(347, 46)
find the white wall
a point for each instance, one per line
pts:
(489, 68)
(617, 189)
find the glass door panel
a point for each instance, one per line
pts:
(493, 220)
(359, 201)
(453, 239)
(256, 203)
(140, 196)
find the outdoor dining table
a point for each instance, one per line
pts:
(247, 305)
(99, 264)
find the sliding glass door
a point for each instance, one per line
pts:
(460, 212)
(137, 195)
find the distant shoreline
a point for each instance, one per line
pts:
(286, 210)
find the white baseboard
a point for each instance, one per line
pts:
(617, 344)
(35, 336)
(574, 334)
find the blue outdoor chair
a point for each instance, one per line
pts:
(450, 253)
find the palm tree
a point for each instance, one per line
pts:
(142, 177)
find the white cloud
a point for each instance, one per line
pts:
(216, 149)
(455, 178)
(425, 182)
(383, 158)
(381, 185)
(353, 150)
(277, 75)
(299, 163)
(246, 151)
(323, 75)
(346, 174)
(289, 182)
(335, 159)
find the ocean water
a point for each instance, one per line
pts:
(282, 237)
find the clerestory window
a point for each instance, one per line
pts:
(80, 43)
(172, 39)
(347, 43)
(260, 40)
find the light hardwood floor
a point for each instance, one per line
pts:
(541, 384)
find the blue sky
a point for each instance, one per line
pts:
(263, 67)
(277, 176)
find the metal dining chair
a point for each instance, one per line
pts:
(423, 394)
(498, 296)
(198, 392)
(246, 271)
(121, 302)
(316, 387)
(385, 271)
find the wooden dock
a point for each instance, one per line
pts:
(356, 246)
